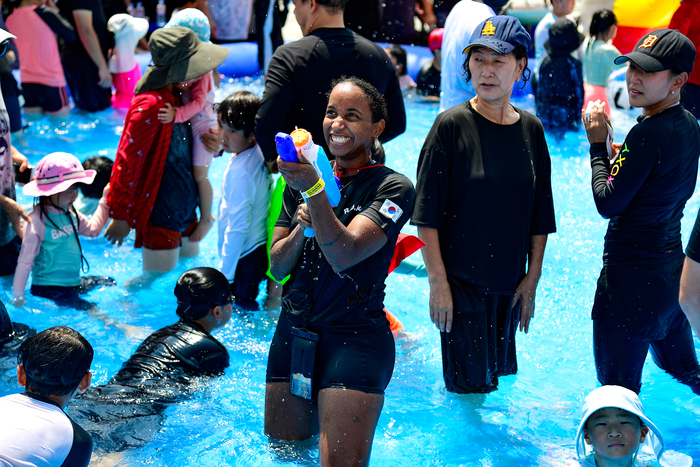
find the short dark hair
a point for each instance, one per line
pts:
(199, 290)
(238, 111)
(103, 166)
(55, 361)
(601, 22)
(518, 53)
(377, 103)
(333, 6)
(399, 53)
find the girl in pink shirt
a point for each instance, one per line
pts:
(43, 81)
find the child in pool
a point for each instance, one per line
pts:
(599, 57)
(51, 245)
(246, 193)
(92, 194)
(615, 428)
(199, 111)
(398, 56)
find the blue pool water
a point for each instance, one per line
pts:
(529, 421)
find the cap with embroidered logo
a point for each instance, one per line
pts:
(502, 34)
(663, 49)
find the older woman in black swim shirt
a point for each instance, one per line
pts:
(336, 289)
(643, 189)
(484, 208)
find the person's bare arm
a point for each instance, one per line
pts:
(88, 37)
(525, 292)
(441, 305)
(285, 250)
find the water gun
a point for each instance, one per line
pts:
(300, 139)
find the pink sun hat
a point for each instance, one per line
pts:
(56, 173)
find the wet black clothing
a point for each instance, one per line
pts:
(690, 99)
(629, 320)
(486, 188)
(643, 192)
(11, 337)
(126, 412)
(299, 77)
(559, 97)
(172, 356)
(364, 17)
(469, 366)
(428, 82)
(354, 299)
(693, 248)
(363, 361)
(178, 197)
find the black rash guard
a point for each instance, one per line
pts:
(644, 189)
(299, 77)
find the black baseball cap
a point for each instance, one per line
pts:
(663, 49)
(502, 34)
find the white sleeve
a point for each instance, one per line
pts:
(235, 220)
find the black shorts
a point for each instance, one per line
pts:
(250, 272)
(363, 361)
(47, 97)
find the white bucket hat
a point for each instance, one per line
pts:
(619, 398)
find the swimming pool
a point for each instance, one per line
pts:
(530, 420)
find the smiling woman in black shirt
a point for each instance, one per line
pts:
(643, 189)
(484, 209)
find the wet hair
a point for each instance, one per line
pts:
(518, 53)
(601, 23)
(238, 111)
(377, 103)
(55, 361)
(199, 290)
(399, 53)
(333, 6)
(103, 166)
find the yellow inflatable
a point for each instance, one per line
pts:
(638, 17)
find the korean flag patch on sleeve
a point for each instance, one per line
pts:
(391, 210)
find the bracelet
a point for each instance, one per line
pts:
(314, 190)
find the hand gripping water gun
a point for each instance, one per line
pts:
(287, 146)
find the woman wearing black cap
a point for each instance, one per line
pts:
(642, 189)
(484, 209)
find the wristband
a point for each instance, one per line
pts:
(314, 190)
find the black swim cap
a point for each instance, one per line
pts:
(199, 290)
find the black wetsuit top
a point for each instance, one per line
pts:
(173, 355)
(644, 190)
(559, 97)
(354, 299)
(299, 77)
(99, 23)
(486, 188)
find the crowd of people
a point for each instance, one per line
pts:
(483, 207)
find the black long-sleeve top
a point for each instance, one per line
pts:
(644, 189)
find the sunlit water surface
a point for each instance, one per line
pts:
(530, 420)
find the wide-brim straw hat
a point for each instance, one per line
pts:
(178, 55)
(56, 173)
